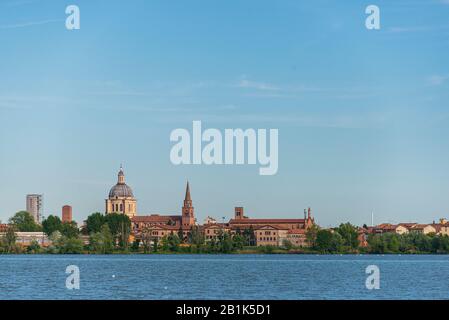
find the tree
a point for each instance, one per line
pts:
(69, 229)
(196, 238)
(8, 241)
(170, 242)
(181, 234)
(311, 235)
(249, 236)
(337, 243)
(101, 242)
(444, 244)
(51, 224)
(376, 244)
(155, 244)
(120, 226)
(34, 247)
(225, 243)
(238, 241)
(24, 222)
(146, 235)
(54, 223)
(349, 234)
(53, 238)
(323, 240)
(135, 245)
(287, 244)
(66, 245)
(94, 222)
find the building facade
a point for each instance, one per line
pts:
(242, 222)
(121, 198)
(35, 205)
(164, 225)
(262, 232)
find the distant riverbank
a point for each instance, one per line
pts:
(245, 251)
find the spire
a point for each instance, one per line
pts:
(121, 176)
(188, 193)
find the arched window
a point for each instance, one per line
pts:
(121, 207)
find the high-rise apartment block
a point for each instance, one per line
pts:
(35, 205)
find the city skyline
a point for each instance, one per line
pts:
(362, 114)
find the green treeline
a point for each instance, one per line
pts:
(108, 234)
(412, 242)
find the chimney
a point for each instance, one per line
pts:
(309, 213)
(305, 214)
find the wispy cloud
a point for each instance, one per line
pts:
(262, 86)
(29, 24)
(408, 29)
(412, 29)
(18, 3)
(437, 80)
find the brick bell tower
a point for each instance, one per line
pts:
(188, 217)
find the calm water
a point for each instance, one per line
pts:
(223, 277)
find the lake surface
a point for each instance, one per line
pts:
(224, 277)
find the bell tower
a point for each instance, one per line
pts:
(188, 216)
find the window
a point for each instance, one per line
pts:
(121, 207)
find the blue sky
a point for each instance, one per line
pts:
(362, 115)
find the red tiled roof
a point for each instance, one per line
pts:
(155, 218)
(408, 224)
(437, 227)
(297, 231)
(419, 226)
(265, 221)
(168, 227)
(270, 226)
(386, 226)
(215, 225)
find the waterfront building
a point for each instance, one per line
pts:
(403, 228)
(26, 238)
(297, 237)
(121, 198)
(210, 220)
(271, 235)
(212, 230)
(34, 205)
(163, 225)
(3, 227)
(156, 226)
(242, 222)
(423, 228)
(67, 214)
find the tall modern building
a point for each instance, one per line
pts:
(67, 214)
(35, 205)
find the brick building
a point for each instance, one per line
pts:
(67, 214)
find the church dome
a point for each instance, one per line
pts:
(121, 189)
